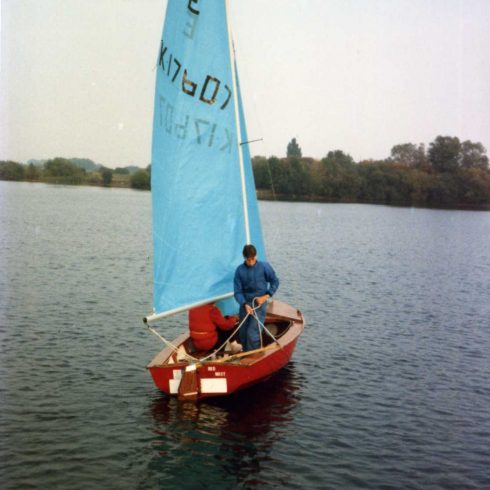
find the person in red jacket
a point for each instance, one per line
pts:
(204, 322)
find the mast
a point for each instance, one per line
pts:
(237, 123)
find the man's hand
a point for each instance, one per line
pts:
(248, 309)
(262, 299)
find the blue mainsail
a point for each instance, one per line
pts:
(198, 164)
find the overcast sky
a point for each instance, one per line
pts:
(77, 76)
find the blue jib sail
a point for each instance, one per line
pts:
(199, 225)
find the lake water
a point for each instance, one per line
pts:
(389, 386)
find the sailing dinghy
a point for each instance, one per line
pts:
(204, 205)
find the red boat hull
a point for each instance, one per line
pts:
(219, 378)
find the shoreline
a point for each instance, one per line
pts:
(266, 195)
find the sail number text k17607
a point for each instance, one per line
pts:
(210, 91)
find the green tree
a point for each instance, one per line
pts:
(106, 174)
(444, 153)
(282, 178)
(473, 155)
(84, 163)
(94, 178)
(61, 167)
(409, 155)
(474, 186)
(299, 174)
(444, 190)
(293, 149)
(262, 173)
(63, 171)
(420, 182)
(10, 170)
(140, 180)
(339, 158)
(373, 185)
(340, 180)
(32, 172)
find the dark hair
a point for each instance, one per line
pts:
(249, 251)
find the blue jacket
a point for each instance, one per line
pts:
(251, 282)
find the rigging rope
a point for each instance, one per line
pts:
(263, 327)
(213, 354)
(226, 341)
(169, 344)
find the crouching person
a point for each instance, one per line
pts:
(208, 327)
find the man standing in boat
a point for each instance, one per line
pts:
(255, 282)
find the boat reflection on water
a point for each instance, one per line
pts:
(225, 438)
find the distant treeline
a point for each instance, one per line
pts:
(449, 174)
(75, 171)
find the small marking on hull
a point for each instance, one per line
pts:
(173, 384)
(214, 385)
